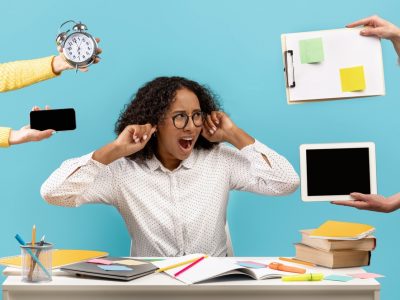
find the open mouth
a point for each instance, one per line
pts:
(186, 143)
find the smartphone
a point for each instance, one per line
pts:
(57, 119)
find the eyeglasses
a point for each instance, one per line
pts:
(181, 120)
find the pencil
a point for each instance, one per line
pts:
(189, 266)
(33, 236)
(297, 261)
(177, 265)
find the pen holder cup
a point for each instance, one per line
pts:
(36, 262)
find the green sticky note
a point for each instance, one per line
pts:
(311, 51)
(352, 79)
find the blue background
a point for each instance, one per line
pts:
(234, 47)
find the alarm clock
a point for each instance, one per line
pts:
(79, 48)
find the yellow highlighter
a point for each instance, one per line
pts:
(304, 277)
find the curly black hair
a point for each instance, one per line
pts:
(151, 103)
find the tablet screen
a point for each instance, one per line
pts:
(338, 171)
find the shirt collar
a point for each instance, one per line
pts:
(188, 163)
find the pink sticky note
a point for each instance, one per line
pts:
(100, 261)
(366, 275)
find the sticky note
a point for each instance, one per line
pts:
(366, 275)
(251, 264)
(115, 268)
(100, 261)
(352, 79)
(129, 262)
(338, 278)
(311, 51)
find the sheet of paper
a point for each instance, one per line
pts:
(100, 261)
(366, 275)
(129, 262)
(115, 268)
(352, 79)
(338, 278)
(311, 51)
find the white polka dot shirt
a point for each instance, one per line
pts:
(173, 213)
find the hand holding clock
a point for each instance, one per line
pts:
(59, 64)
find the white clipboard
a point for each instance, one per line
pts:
(343, 48)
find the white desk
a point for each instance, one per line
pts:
(161, 286)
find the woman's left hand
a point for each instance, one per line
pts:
(217, 127)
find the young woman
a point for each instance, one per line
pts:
(169, 174)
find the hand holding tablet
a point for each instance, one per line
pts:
(331, 172)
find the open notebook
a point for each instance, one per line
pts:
(213, 267)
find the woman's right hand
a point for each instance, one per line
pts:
(131, 140)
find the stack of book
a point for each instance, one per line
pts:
(337, 245)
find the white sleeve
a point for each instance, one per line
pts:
(78, 181)
(251, 172)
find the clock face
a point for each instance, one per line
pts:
(79, 48)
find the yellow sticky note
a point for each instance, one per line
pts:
(129, 262)
(352, 79)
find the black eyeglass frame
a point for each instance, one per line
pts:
(187, 119)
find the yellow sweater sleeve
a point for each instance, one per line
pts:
(19, 74)
(4, 136)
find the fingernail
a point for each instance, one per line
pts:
(144, 137)
(54, 132)
(215, 128)
(211, 131)
(217, 122)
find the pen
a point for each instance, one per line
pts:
(304, 277)
(177, 265)
(285, 268)
(189, 266)
(297, 261)
(21, 241)
(41, 243)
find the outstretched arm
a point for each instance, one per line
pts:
(372, 202)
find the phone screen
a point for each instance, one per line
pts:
(56, 119)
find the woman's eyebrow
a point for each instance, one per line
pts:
(184, 111)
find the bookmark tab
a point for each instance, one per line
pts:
(341, 278)
(115, 268)
(251, 264)
(129, 262)
(100, 261)
(366, 275)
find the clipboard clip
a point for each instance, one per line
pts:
(289, 69)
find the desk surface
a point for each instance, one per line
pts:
(161, 286)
